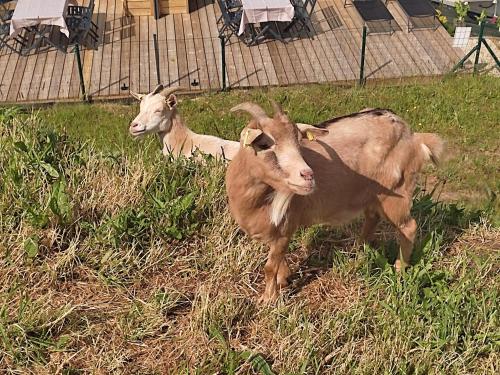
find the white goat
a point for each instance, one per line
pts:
(158, 114)
(287, 176)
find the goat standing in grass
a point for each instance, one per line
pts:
(287, 176)
(158, 114)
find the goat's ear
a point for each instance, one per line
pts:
(136, 95)
(311, 132)
(249, 135)
(171, 101)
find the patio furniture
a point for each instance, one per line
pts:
(302, 14)
(6, 12)
(230, 18)
(82, 30)
(35, 12)
(372, 12)
(416, 12)
(265, 13)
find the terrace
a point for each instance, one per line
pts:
(189, 51)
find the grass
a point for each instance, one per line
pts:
(115, 260)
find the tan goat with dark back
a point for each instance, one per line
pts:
(286, 176)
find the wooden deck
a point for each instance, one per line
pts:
(190, 52)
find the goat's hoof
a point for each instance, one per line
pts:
(400, 265)
(266, 299)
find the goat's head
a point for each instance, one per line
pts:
(156, 110)
(272, 145)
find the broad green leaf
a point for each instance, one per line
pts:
(49, 169)
(31, 247)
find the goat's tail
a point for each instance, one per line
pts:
(433, 147)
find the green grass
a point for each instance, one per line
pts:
(117, 260)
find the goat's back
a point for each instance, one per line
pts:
(364, 158)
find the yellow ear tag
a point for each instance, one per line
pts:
(310, 136)
(245, 140)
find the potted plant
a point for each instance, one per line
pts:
(462, 32)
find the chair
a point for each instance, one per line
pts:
(302, 14)
(372, 11)
(82, 29)
(230, 18)
(17, 43)
(419, 10)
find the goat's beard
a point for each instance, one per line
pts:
(280, 201)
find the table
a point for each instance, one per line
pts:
(257, 11)
(37, 12)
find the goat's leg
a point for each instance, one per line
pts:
(283, 274)
(372, 218)
(274, 259)
(397, 212)
(406, 236)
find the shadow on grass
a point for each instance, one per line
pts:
(330, 247)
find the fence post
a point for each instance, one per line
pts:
(479, 42)
(223, 60)
(362, 65)
(157, 58)
(80, 71)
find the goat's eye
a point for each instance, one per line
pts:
(159, 111)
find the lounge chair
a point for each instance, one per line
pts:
(373, 11)
(419, 10)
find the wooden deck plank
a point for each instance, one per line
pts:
(27, 77)
(182, 59)
(348, 59)
(315, 71)
(13, 94)
(134, 56)
(268, 64)
(4, 63)
(8, 75)
(43, 93)
(116, 50)
(277, 63)
(67, 72)
(343, 71)
(144, 54)
(126, 42)
(373, 64)
(326, 65)
(37, 77)
(163, 51)
(193, 69)
(352, 36)
(209, 44)
(95, 76)
(107, 50)
(153, 76)
(173, 68)
(199, 48)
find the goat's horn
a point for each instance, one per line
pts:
(256, 111)
(169, 90)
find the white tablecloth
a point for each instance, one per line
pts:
(40, 12)
(255, 11)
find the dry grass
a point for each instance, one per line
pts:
(134, 266)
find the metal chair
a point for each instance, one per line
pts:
(82, 29)
(17, 43)
(302, 15)
(230, 18)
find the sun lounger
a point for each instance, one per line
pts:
(417, 12)
(372, 12)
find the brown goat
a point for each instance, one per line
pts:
(286, 176)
